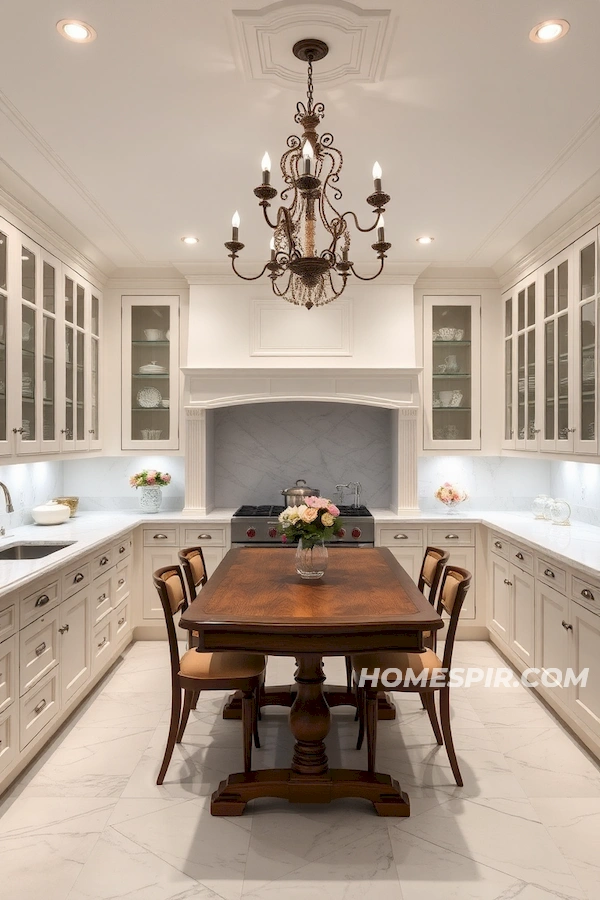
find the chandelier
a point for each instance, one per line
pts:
(310, 167)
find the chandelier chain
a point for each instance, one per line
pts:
(309, 93)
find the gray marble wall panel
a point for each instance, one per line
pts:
(579, 484)
(263, 447)
(30, 484)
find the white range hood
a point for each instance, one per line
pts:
(245, 347)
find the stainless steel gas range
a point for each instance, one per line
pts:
(256, 526)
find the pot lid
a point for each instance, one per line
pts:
(300, 490)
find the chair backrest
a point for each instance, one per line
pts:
(194, 569)
(431, 571)
(455, 584)
(168, 581)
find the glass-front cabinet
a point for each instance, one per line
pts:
(46, 351)
(557, 406)
(520, 426)
(586, 292)
(452, 416)
(150, 400)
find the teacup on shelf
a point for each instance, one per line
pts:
(447, 334)
(446, 398)
(459, 334)
(457, 397)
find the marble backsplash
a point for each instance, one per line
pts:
(579, 485)
(264, 447)
(29, 484)
(103, 483)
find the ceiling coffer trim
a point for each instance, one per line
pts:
(360, 40)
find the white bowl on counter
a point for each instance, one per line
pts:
(50, 514)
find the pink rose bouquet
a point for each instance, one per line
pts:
(451, 494)
(314, 520)
(149, 478)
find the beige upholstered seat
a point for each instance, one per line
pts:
(221, 665)
(417, 662)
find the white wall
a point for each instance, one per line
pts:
(262, 448)
(227, 327)
(103, 483)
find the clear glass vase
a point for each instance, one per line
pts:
(311, 558)
(150, 499)
(452, 507)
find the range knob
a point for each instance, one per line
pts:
(341, 533)
(272, 532)
(251, 532)
(356, 532)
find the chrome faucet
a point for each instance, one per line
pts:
(7, 498)
(340, 488)
(357, 489)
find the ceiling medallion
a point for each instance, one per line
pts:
(311, 168)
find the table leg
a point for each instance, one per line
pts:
(284, 695)
(309, 780)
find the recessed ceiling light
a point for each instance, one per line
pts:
(424, 239)
(74, 30)
(190, 240)
(551, 30)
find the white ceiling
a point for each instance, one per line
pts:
(154, 130)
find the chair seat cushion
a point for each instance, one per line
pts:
(221, 665)
(427, 662)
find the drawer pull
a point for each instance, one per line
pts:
(121, 621)
(509, 583)
(451, 537)
(566, 625)
(121, 581)
(101, 598)
(64, 629)
(587, 594)
(40, 648)
(104, 560)
(205, 537)
(79, 577)
(498, 544)
(41, 601)
(400, 537)
(122, 549)
(519, 555)
(102, 642)
(161, 537)
(37, 709)
(549, 573)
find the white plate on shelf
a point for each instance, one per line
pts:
(149, 398)
(152, 369)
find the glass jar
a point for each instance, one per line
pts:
(538, 507)
(311, 558)
(560, 512)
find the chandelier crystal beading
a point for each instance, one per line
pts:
(309, 214)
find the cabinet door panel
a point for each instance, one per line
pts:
(585, 653)
(155, 558)
(500, 597)
(410, 558)
(552, 646)
(75, 654)
(464, 557)
(522, 630)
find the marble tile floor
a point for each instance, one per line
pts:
(86, 821)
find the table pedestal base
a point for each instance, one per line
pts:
(284, 695)
(383, 791)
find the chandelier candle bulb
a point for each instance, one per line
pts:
(266, 169)
(272, 249)
(380, 227)
(377, 173)
(307, 156)
(235, 226)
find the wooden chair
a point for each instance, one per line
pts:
(194, 569)
(455, 584)
(199, 671)
(430, 575)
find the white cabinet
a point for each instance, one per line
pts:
(9, 736)
(521, 389)
(406, 543)
(75, 656)
(557, 409)
(585, 654)
(551, 623)
(586, 294)
(150, 373)
(522, 614)
(9, 690)
(499, 596)
(452, 373)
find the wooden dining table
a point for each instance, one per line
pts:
(256, 602)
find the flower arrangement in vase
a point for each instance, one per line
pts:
(150, 481)
(311, 524)
(451, 495)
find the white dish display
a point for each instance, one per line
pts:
(152, 369)
(151, 434)
(50, 513)
(149, 398)
(153, 334)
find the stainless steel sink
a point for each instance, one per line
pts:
(31, 551)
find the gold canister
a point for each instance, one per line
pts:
(71, 502)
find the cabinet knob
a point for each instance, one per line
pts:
(40, 648)
(161, 537)
(519, 555)
(37, 709)
(42, 600)
(566, 626)
(451, 537)
(92, 431)
(549, 573)
(101, 598)
(122, 549)
(498, 544)
(400, 537)
(79, 577)
(18, 430)
(121, 621)
(64, 629)
(104, 560)
(509, 583)
(204, 537)
(587, 594)
(121, 581)
(102, 642)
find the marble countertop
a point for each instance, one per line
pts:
(577, 545)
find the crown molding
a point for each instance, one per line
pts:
(28, 222)
(220, 273)
(457, 280)
(147, 285)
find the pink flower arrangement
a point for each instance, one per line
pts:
(149, 478)
(315, 519)
(450, 494)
